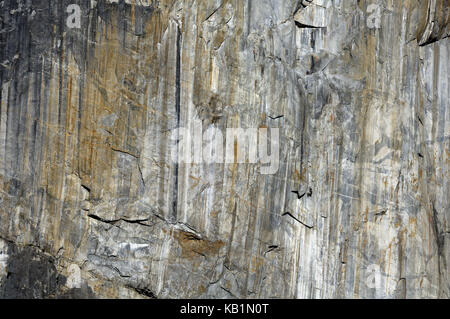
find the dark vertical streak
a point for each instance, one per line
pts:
(178, 76)
(302, 139)
(226, 262)
(61, 58)
(249, 16)
(86, 48)
(440, 241)
(35, 142)
(177, 110)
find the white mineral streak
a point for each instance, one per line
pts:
(74, 278)
(3, 259)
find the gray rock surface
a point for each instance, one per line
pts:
(89, 196)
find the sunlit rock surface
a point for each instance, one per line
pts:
(91, 205)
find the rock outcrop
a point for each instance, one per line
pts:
(92, 206)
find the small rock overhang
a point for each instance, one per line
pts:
(434, 21)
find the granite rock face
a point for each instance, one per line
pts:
(92, 206)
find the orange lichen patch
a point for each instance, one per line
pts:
(257, 262)
(303, 175)
(263, 117)
(193, 246)
(364, 244)
(214, 213)
(100, 288)
(413, 229)
(385, 182)
(201, 289)
(297, 174)
(219, 39)
(197, 181)
(367, 215)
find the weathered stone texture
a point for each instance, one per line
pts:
(359, 90)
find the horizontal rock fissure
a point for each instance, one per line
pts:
(297, 220)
